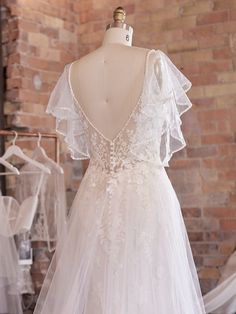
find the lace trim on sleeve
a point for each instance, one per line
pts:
(176, 102)
(69, 121)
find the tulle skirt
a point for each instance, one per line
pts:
(126, 250)
(10, 299)
(222, 299)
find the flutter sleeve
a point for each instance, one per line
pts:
(173, 86)
(69, 120)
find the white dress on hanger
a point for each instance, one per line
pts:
(127, 249)
(50, 218)
(10, 299)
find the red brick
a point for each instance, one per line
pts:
(213, 17)
(14, 83)
(227, 247)
(198, 260)
(219, 212)
(209, 273)
(28, 25)
(194, 140)
(190, 68)
(208, 126)
(195, 236)
(213, 236)
(222, 163)
(50, 32)
(201, 152)
(227, 77)
(42, 64)
(227, 27)
(204, 79)
(191, 212)
(217, 139)
(214, 41)
(229, 235)
(14, 58)
(196, 224)
(215, 115)
(204, 248)
(220, 89)
(228, 224)
(214, 261)
(216, 66)
(229, 175)
(185, 164)
(183, 22)
(206, 103)
(222, 53)
(199, 32)
(226, 4)
(232, 14)
(208, 284)
(227, 150)
(196, 7)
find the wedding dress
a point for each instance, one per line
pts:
(126, 250)
(10, 298)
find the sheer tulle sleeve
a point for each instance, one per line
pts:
(174, 86)
(69, 121)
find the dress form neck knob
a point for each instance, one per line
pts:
(119, 15)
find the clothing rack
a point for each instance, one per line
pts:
(36, 134)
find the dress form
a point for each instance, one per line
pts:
(114, 72)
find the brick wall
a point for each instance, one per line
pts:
(199, 37)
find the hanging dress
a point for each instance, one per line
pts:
(49, 221)
(126, 250)
(10, 298)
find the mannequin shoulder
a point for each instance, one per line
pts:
(89, 59)
(110, 52)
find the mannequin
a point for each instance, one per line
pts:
(111, 72)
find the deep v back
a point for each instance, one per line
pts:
(80, 106)
(151, 132)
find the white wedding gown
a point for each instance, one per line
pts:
(126, 250)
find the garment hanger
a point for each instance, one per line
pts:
(15, 150)
(13, 170)
(40, 151)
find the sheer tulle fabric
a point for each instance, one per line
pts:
(126, 250)
(49, 221)
(130, 257)
(173, 92)
(222, 299)
(69, 121)
(10, 299)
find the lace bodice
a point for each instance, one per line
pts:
(151, 133)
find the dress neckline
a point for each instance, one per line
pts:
(111, 141)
